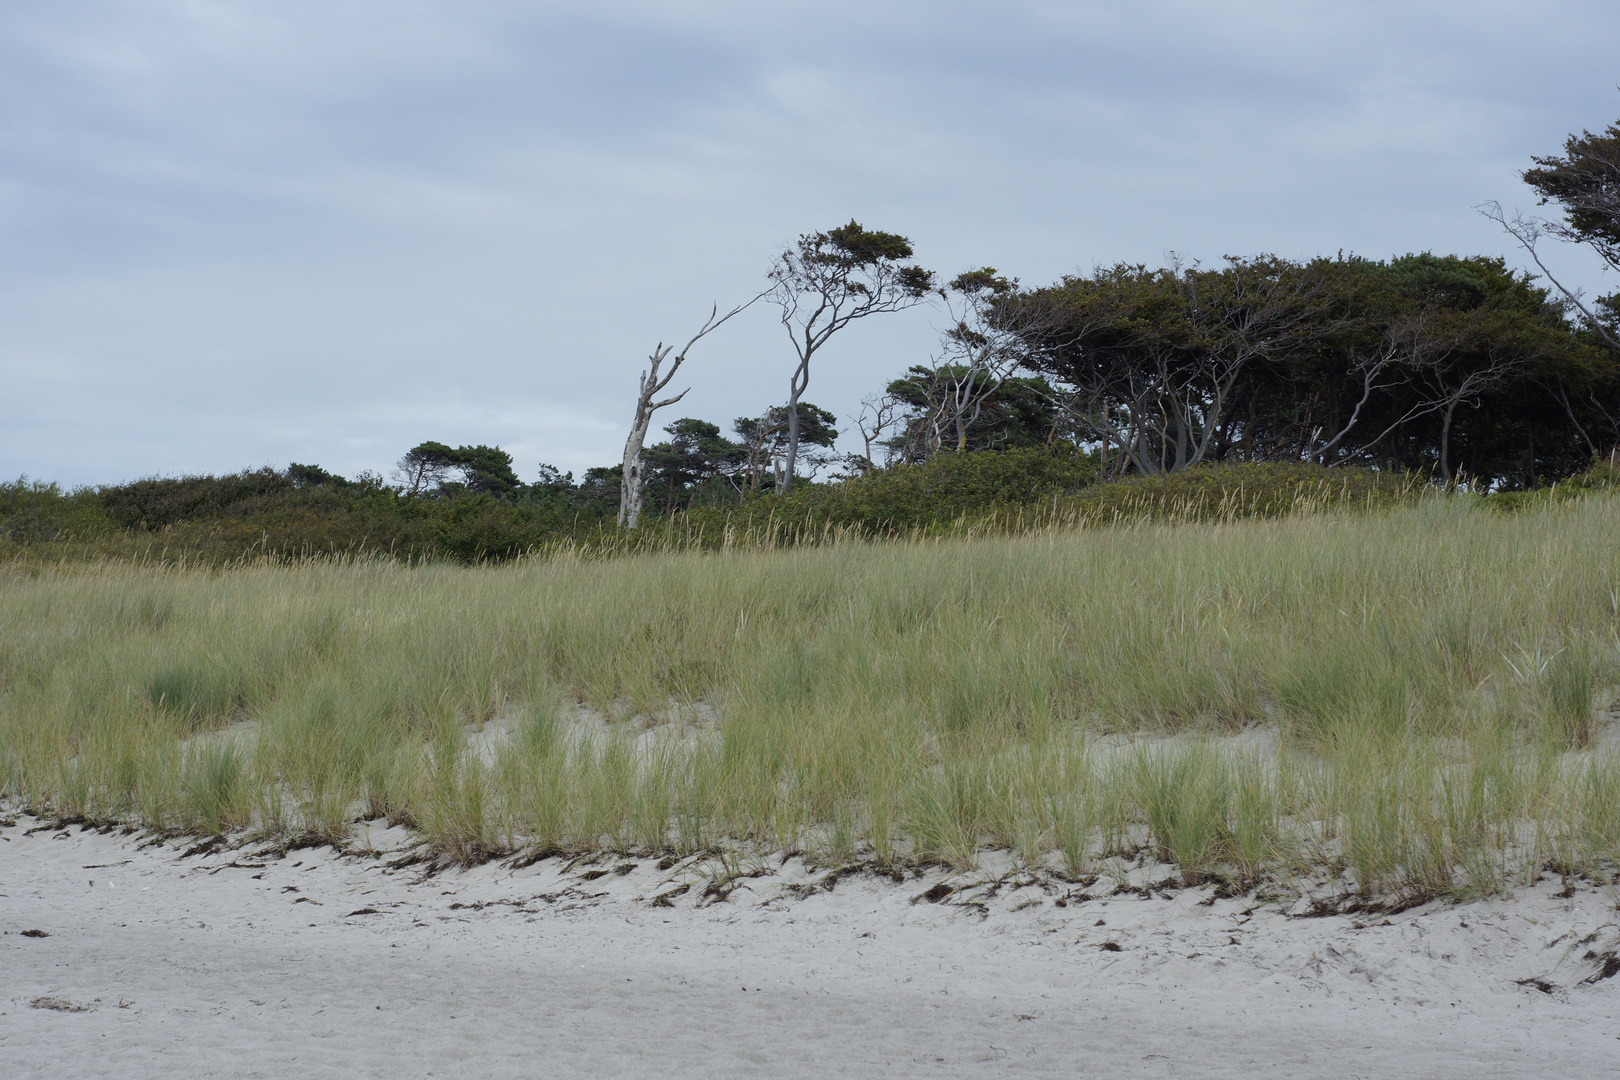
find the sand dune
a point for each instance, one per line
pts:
(235, 964)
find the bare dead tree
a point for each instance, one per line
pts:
(632, 489)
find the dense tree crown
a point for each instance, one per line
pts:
(432, 468)
(1455, 365)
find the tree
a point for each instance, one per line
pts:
(424, 467)
(1157, 359)
(981, 350)
(603, 484)
(971, 385)
(765, 441)
(695, 454)
(955, 408)
(486, 469)
(633, 480)
(827, 281)
(1585, 183)
(1424, 362)
(553, 481)
(879, 414)
(304, 477)
(430, 465)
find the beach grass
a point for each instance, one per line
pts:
(1409, 699)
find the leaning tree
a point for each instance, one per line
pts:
(830, 279)
(633, 486)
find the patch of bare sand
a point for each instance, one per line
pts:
(234, 965)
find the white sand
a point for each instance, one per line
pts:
(195, 967)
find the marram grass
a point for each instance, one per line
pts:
(1422, 693)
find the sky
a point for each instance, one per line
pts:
(238, 234)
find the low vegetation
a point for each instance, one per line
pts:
(222, 521)
(1417, 693)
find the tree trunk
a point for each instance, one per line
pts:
(796, 387)
(635, 477)
(1445, 441)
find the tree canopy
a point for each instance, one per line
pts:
(1424, 362)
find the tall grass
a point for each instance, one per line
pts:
(1430, 679)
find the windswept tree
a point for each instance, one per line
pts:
(1156, 359)
(304, 477)
(487, 469)
(433, 467)
(633, 476)
(1585, 183)
(827, 281)
(968, 396)
(1450, 365)
(424, 467)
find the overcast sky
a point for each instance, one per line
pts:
(235, 234)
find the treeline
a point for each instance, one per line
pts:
(1251, 387)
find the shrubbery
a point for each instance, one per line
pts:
(32, 512)
(220, 519)
(943, 491)
(1018, 490)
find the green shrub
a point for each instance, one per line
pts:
(221, 520)
(903, 499)
(158, 501)
(32, 512)
(1602, 477)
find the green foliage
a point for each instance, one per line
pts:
(32, 512)
(1460, 366)
(1585, 183)
(1599, 479)
(1016, 414)
(487, 469)
(427, 469)
(937, 493)
(1010, 491)
(695, 454)
(308, 476)
(159, 501)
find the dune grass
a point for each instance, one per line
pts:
(1421, 692)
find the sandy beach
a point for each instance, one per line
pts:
(126, 957)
